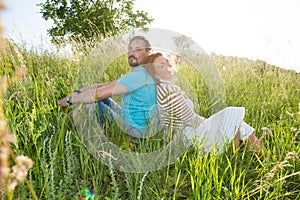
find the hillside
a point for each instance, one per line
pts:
(64, 168)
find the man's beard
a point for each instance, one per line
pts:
(133, 62)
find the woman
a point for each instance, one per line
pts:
(176, 110)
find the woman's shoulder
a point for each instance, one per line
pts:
(169, 87)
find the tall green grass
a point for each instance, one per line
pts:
(63, 167)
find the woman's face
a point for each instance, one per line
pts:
(163, 69)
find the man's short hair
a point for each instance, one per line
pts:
(147, 43)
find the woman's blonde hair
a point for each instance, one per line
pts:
(148, 64)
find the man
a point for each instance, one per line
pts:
(137, 88)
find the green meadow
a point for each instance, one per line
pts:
(64, 168)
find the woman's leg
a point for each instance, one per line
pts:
(237, 139)
(254, 142)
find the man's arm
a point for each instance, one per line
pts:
(98, 85)
(93, 94)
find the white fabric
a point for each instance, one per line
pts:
(218, 129)
(177, 110)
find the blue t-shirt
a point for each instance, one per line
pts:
(140, 102)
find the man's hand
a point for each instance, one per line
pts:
(63, 102)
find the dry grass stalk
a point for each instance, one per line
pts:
(284, 91)
(10, 177)
(265, 182)
(266, 131)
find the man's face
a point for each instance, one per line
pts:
(136, 52)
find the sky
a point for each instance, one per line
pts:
(267, 30)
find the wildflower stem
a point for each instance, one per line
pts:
(31, 189)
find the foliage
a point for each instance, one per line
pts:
(11, 176)
(89, 20)
(64, 168)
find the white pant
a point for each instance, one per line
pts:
(218, 129)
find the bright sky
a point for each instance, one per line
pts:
(257, 29)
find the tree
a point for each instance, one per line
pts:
(87, 20)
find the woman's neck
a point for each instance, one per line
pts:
(172, 81)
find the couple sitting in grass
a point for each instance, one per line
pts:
(176, 111)
(151, 83)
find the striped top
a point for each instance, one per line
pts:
(176, 109)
